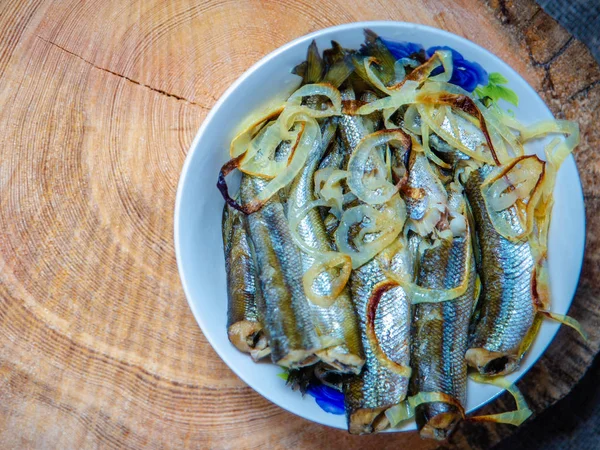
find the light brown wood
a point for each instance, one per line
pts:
(99, 102)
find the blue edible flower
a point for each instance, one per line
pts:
(401, 50)
(466, 74)
(329, 399)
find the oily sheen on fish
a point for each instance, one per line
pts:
(368, 397)
(287, 315)
(440, 334)
(508, 303)
(379, 387)
(244, 327)
(336, 325)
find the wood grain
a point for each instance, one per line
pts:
(99, 102)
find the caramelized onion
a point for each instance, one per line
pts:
(325, 263)
(384, 226)
(382, 189)
(517, 185)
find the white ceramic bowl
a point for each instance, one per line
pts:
(199, 205)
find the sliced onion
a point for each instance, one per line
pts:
(385, 225)
(264, 164)
(404, 96)
(419, 294)
(294, 108)
(525, 176)
(445, 58)
(425, 144)
(566, 320)
(307, 139)
(406, 410)
(418, 75)
(464, 103)
(517, 417)
(323, 261)
(399, 67)
(324, 89)
(558, 152)
(240, 143)
(330, 188)
(383, 189)
(410, 120)
(426, 112)
(326, 262)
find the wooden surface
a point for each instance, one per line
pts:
(99, 102)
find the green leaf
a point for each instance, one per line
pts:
(283, 375)
(496, 93)
(508, 94)
(497, 78)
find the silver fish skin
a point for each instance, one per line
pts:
(507, 306)
(426, 197)
(378, 388)
(287, 315)
(244, 327)
(335, 157)
(440, 334)
(336, 325)
(352, 128)
(446, 152)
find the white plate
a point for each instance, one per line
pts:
(199, 205)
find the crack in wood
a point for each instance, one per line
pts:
(584, 90)
(552, 58)
(505, 18)
(153, 89)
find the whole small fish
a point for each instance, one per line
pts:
(378, 388)
(508, 301)
(440, 334)
(336, 325)
(244, 327)
(287, 315)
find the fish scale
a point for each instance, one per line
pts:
(378, 388)
(337, 324)
(508, 309)
(287, 315)
(243, 321)
(440, 334)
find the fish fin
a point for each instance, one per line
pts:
(315, 66)
(338, 72)
(301, 69)
(335, 54)
(375, 47)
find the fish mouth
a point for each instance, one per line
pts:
(341, 361)
(368, 420)
(440, 426)
(247, 336)
(298, 358)
(491, 363)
